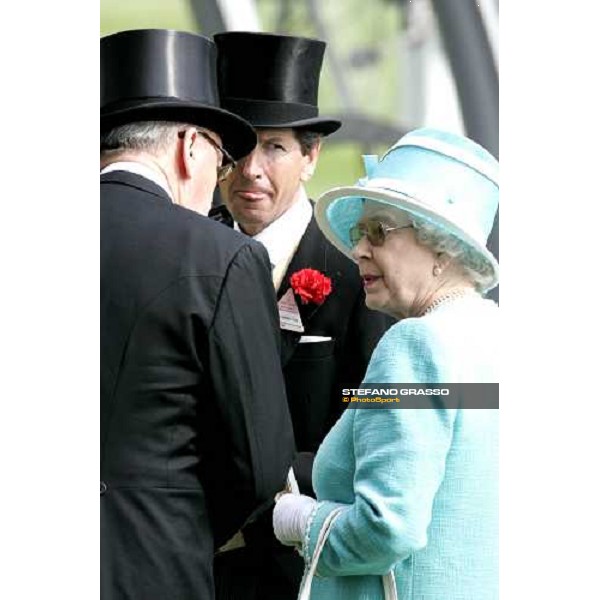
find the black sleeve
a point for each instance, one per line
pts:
(365, 329)
(256, 443)
(303, 465)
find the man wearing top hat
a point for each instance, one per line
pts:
(195, 430)
(327, 337)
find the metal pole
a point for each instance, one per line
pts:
(475, 72)
(214, 16)
(208, 15)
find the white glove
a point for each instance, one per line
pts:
(290, 516)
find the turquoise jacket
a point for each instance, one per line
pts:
(418, 486)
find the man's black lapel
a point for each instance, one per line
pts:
(311, 254)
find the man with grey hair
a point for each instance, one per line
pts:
(195, 429)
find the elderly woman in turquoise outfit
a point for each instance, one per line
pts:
(407, 498)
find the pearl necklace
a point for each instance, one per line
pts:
(451, 295)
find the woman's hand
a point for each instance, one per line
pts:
(290, 516)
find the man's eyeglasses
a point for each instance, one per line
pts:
(226, 162)
(376, 232)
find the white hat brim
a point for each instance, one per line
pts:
(398, 200)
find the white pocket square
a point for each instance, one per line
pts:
(311, 339)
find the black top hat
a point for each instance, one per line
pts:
(272, 80)
(161, 75)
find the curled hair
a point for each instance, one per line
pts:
(146, 136)
(475, 267)
(307, 139)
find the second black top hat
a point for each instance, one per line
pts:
(272, 80)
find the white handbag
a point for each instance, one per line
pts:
(389, 581)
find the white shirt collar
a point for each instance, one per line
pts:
(142, 170)
(282, 235)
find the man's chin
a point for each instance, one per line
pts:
(250, 224)
(251, 215)
(246, 218)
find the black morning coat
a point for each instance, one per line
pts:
(314, 376)
(195, 429)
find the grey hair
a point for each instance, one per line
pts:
(146, 136)
(478, 270)
(307, 139)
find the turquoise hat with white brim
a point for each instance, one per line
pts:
(440, 177)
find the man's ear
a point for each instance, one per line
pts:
(311, 162)
(186, 159)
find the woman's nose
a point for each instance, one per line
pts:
(362, 249)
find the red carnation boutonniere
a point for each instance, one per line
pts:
(311, 285)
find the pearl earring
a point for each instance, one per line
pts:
(436, 270)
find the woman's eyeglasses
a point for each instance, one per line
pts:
(376, 232)
(226, 161)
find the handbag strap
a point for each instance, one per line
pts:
(389, 586)
(389, 581)
(309, 573)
